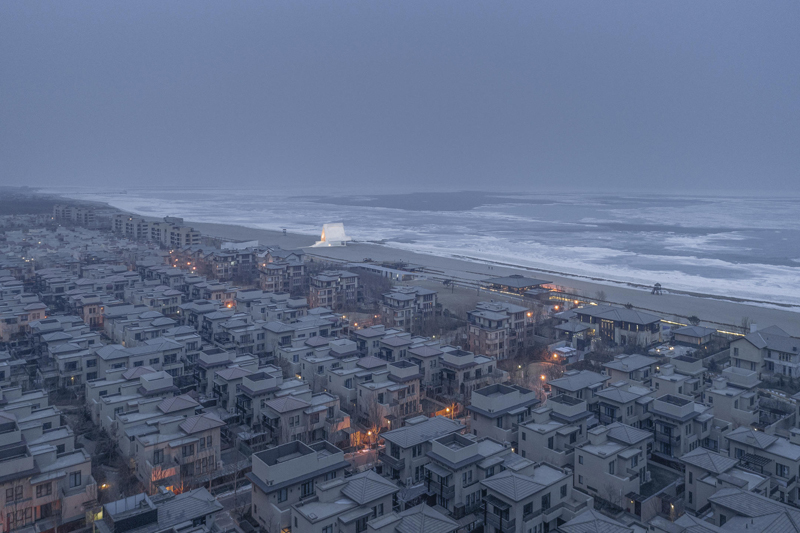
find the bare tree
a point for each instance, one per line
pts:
(601, 296)
(745, 324)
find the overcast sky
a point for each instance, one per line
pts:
(443, 94)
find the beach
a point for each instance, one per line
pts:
(714, 311)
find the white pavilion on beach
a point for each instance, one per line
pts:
(333, 235)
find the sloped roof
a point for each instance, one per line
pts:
(177, 403)
(234, 372)
(776, 517)
(627, 434)
(694, 331)
(581, 380)
(368, 486)
(425, 519)
(757, 439)
(709, 461)
(774, 338)
(433, 428)
(591, 521)
(285, 404)
(631, 362)
(204, 422)
(512, 485)
(137, 371)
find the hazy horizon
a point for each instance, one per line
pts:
(672, 98)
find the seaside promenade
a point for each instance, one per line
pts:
(712, 311)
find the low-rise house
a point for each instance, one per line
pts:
(306, 418)
(612, 465)
(192, 511)
(554, 431)
(736, 400)
(500, 329)
(288, 474)
(706, 472)
(335, 289)
(348, 504)
(635, 369)
(462, 372)
(405, 454)
(498, 410)
(770, 455)
(769, 351)
(695, 336)
(458, 464)
(625, 403)
(182, 453)
(535, 502)
(405, 306)
(734, 510)
(620, 326)
(390, 396)
(680, 425)
(581, 385)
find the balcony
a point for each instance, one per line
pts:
(501, 524)
(669, 439)
(388, 460)
(445, 491)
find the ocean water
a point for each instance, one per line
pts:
(730, 246)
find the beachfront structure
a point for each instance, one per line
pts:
(620, 326)
(535, 501)
(706, 472)
(769, 351)
(332, 235)
(612, 465)
(334, 289)
(517, 284)
(499, 329)
(406, 452)
(405, 306)
(287, 474)
(554, 431)
(634, 369)
(498, 410)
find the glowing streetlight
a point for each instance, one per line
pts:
(542, 376)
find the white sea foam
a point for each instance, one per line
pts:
(746, 248)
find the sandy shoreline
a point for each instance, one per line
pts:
(712, 310)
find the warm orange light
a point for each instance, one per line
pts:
(448, 409)
(542, 376)
(230, 305)
(188, 262)
(369, 433)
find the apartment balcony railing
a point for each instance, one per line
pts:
(669, 439)
(501, 524)
(607, 419)
(397, 464)
(445, 491)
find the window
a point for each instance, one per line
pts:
(563, 491)
(361, 524)
(155, 361)
(282, 495)
(580, 459)
(158, 457)
(580, 480)
(690, 497)
(545, 502)
(188, 450)
(611, 467)
(330, 475)
(91, 363)
(528, 509)
(328, 529)
(416, 451)
(550, 443)
(781, 470)
(307, 489)
(13, 494)
(634, 461)
(75, 479)
(524, 436)
(499, 422)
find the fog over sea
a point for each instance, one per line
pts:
(731, 246)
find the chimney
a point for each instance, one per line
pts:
(753, 327)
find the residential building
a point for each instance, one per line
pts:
(405, 454)
(537, 501)
(462, 372)
(613, 464)
(335, 289)
(706, 472)
(499, 329)
(625, 403)
(635, 369)
(620, 326)
(288, 474)
(192, 511)
(769, 351)
(680, 424)
(554, 431)
(581, 385)
(498, 410)
(405, 306)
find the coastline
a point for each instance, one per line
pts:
(713, 310)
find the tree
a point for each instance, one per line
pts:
(600, 296)
(745, 324)
(694, 320)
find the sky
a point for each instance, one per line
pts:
(678, 96)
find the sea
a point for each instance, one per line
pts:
(736, 246)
